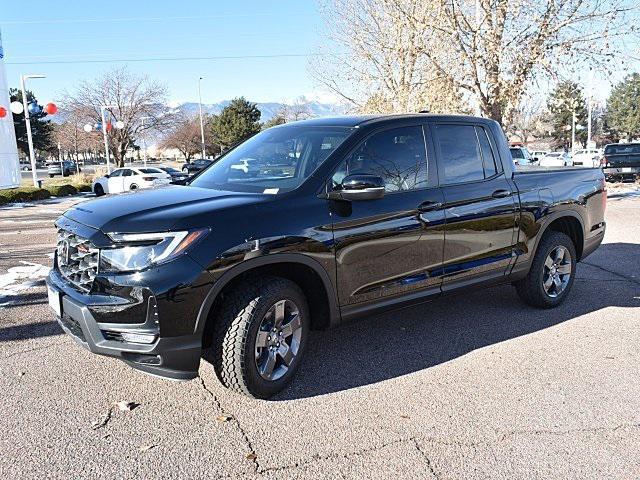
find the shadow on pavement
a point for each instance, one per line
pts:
(399, 343)
(29, 330)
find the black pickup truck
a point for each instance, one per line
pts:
(359, 214)
(621, 161)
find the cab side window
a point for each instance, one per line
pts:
(465, 153)
(127, 173)
(116, 173)
(398, 156)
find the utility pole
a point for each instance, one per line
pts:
(204, 154)
(144, 141)
(27, 122)
(589, 108)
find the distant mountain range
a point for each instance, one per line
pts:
(267, 109)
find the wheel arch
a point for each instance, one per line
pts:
(569, 223)
(306, 272)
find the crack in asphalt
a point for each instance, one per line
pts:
(505, 435)
(426, 459)
(252, 455)
(416, 439)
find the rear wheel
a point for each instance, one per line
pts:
(552, 272)
(260, 335)
(98, 190)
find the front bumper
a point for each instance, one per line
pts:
(176, 357)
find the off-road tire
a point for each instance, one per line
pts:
(530, 289)
(236, 326)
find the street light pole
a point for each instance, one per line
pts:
(144, 141)
(27, 121)
(104, 134)
(573, 133)
(204, 155)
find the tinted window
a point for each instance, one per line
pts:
(274, 161)
(397, 155)
(516, 153)
(127, 173)
(488, 157)
(622, 149)
(116, 173)
(150, 170)
(460, 157)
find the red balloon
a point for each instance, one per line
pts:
(3, 112)
(109, 126)
(51, 108)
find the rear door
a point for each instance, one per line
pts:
(392, 245)
(479, 202)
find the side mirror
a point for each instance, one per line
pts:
(106, 175)
(360, 187)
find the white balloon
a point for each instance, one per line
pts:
(119, 125)
(88, 128)
(16, 107)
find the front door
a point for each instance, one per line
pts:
(114, 182)
(480, 203)
(393, 244)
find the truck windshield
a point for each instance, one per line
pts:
(274, 161)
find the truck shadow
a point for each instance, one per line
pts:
(387, 346)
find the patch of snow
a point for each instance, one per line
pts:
(20, 278)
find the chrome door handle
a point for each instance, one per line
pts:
(429, 206)
(501, 194)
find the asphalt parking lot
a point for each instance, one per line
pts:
(472, 386)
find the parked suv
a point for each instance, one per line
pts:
(372, 213)
(197, 165)
(64, 168)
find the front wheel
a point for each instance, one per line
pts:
(552, 272)
(98, 190)
(260, 335)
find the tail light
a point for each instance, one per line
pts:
(148, 179)
(604, 161)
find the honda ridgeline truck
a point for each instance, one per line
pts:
(337, 218)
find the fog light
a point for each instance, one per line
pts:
(138, 337)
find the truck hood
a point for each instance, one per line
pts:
(157, 210)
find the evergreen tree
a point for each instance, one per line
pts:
(41, 129)
(566, 99)
(237, 121)
(623, 109)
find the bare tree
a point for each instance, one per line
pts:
(384, 68)
(528, 119)
(184, 137)
(491, 49)
(129, 99)
(298, 110)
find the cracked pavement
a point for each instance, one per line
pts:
(472, 386)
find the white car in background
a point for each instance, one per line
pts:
(128, 179)
(588, 157)
(538, 154)
(556, 159)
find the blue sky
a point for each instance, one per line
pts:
(64, 31)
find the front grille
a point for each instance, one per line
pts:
(77, 260)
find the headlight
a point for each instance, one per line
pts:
(136, 251)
